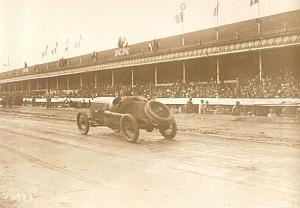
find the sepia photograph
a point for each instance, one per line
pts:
(149, 104)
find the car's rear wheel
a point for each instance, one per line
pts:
(129, 127)
(158, 112)
(83, 123)
(170, 131)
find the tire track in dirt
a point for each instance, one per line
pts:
(30, 136)
(53, 167)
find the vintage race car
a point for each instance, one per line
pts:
(128, 115)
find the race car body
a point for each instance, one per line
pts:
(128, 115)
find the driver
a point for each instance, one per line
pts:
(122, 104)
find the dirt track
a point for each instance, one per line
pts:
(213, 162)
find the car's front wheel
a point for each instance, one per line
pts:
(170, 131)
(129, 127)
(83, 123)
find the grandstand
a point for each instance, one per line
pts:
(240, 53)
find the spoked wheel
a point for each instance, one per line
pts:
(83, 123)
(169, 132)
(158, 112)
(129, 127)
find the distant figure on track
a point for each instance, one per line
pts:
(10, 101)
(189, 106)
(48, 99)
(236, 109)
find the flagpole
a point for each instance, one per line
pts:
(56, 50)
(217, 18)
(258, 16)
(182, 8)
(182, 28)
(217, 13)
(47, 58)
(258, 10)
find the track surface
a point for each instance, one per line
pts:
(45, 162)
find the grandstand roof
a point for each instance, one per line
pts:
(270, 25)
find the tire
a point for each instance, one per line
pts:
(170, 132)
(129, 127)
(83, 123)
(158, 112)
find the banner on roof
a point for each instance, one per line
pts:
(121, 52)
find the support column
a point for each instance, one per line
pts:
(15, 87)
(260, 65)
(37, 84)
(22, 86)
(217, 33)
(155, 74)
(68, 82)
(96, 80)
(9, 87)
(132, 82)
(218, 70)
(47, 85)
(112, 78)
(57, 83)
(258, 25)
(29, 87)
(183, 72)
(81, 81)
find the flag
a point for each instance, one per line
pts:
(153, 45)
(150, 47)
(156, 45)
(66, 48)
(253, 2)
(216, 10)
(179, 17)
(122, 42)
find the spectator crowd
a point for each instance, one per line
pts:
(283, 86)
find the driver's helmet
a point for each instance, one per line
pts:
(116, 101)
